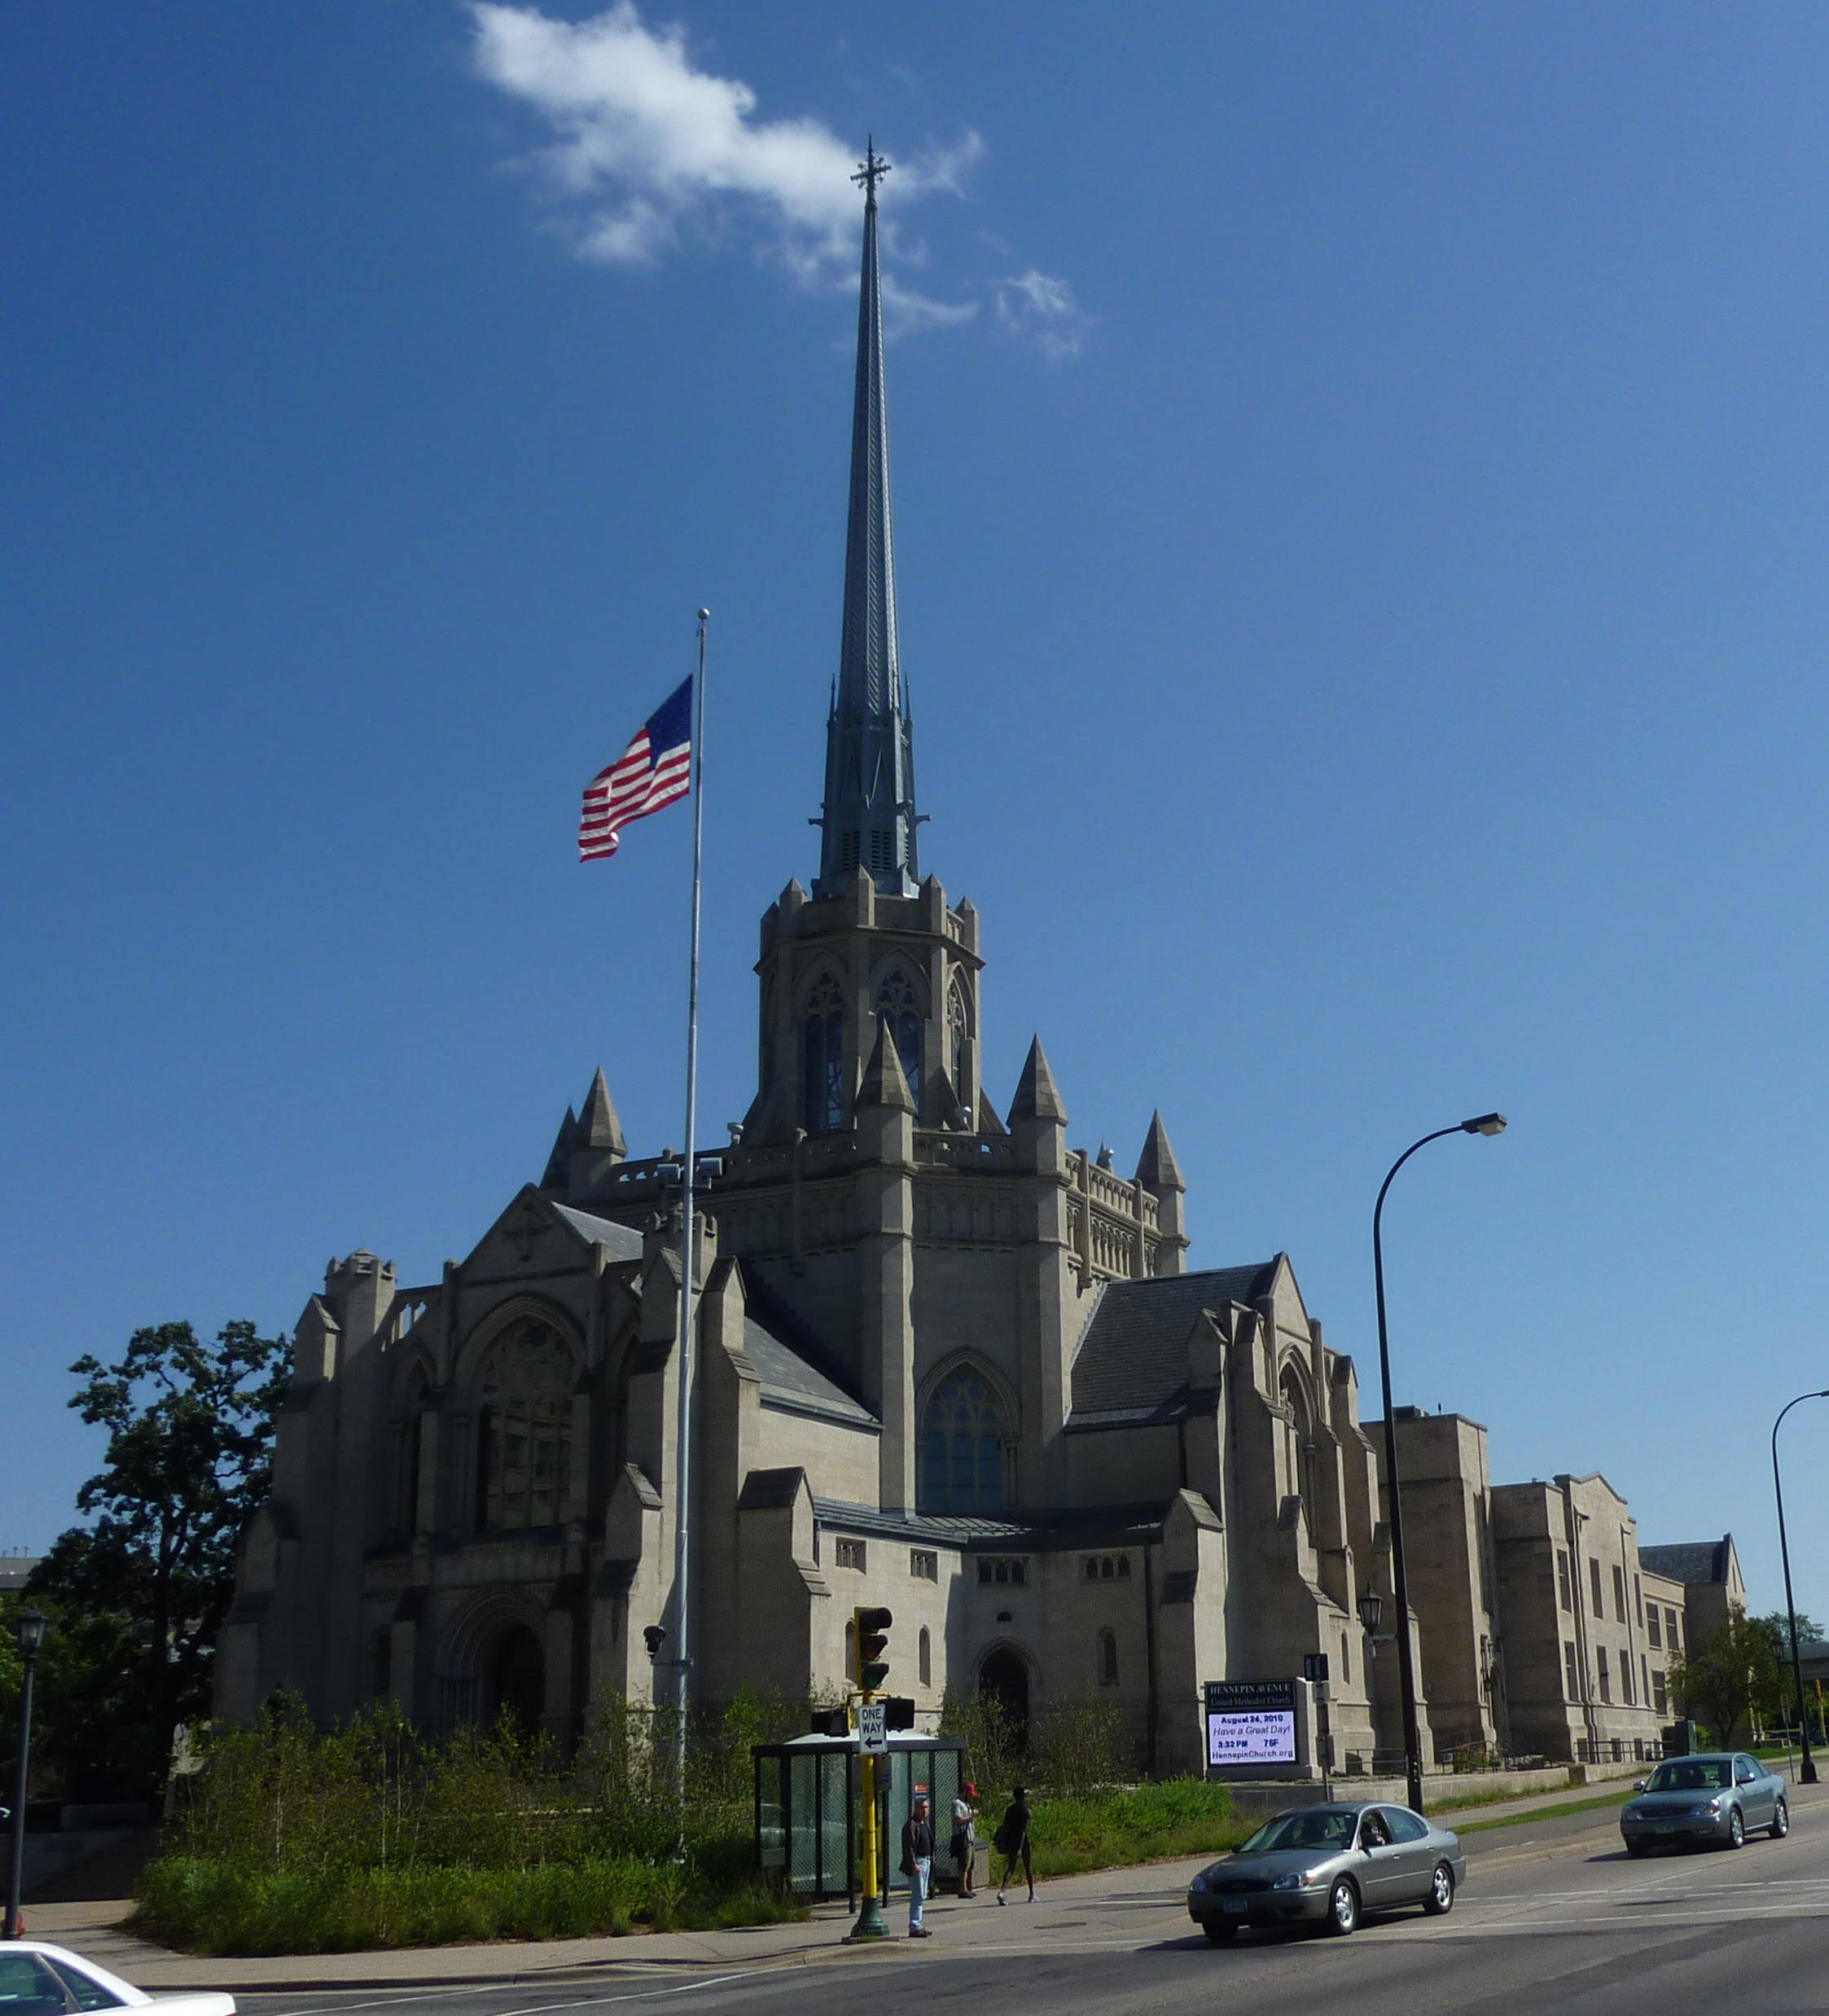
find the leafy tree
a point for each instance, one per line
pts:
(1732, 1675)
(1776, 1624)
(141, 1591)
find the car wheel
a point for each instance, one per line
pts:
(1781, 1821)
(1343, 1909)
(1218, 1931)
(1441, 1899)
(1736, 1829)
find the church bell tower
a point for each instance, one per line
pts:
(873, 947)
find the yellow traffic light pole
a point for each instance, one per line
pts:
(871, 1626)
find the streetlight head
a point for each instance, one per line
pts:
(29, 1626)
(1485, 1123)
(1371, 1612)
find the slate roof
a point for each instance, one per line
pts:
(793, 1386)
(1104, 1526)
(16, 1568)
(1132, 1363)
(1687, 1561)
(621, 1241)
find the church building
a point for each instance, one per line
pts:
(945, 1362)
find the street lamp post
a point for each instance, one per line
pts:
(1483, 1123)
(1806, 1769)
(30, 1628)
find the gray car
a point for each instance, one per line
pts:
(1720, 1796)
(1328, 1865)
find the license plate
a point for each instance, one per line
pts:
(1236, 1906)
(1665, 1827)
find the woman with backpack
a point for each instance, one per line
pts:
(1011, 1842)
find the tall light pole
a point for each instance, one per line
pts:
(30, 1628)
(1806, 1770)
(1483, 1123)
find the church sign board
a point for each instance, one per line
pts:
(1251, 1723)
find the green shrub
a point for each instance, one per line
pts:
(1148, 1823)
(294, 1839)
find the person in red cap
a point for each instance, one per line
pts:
(964, 1845)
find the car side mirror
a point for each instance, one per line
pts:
(1638, 1785)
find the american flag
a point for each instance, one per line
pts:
(655, 769)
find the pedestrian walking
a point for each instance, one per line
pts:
(917, 1863)
(1011, 1841)
(964, 1842)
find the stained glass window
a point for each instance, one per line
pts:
(825, 1057)
(961, 1447)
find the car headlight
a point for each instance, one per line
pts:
(1300, 1880)
(1199, 1882)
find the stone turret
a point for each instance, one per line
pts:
(1159, 1174)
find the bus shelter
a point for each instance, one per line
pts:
(808, 1823)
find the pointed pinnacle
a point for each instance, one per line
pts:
(885, 1082)
(1156, 1166)
(600, 1127)
(565, 1141)
(1036, 1098)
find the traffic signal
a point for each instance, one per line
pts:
(898, 1712)
(831, 1722)
(873, 1642)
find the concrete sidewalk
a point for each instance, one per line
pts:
(95, 1929)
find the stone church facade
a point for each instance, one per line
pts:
(945, 1361)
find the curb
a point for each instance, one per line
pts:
(582, 1972)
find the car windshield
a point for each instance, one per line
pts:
(1318, 1828)
(1690, 1774)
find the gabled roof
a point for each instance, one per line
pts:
(1689, 1561)
(621, 1243)
(1132, 1363)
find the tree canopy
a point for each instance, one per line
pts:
(138, 1594)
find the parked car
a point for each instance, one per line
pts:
(39, 1980)
(1328, 1865)
(1717, 1796)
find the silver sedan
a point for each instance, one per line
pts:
(1328, 1865)
(1719, 1796)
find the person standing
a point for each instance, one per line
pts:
(1011, 1842)
(965, 1811)
(917, 1863)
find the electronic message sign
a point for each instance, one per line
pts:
(1250, 1722)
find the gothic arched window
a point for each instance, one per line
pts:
(925, 1656)
(958, 1030)
(899, 1006)
(1108, 1658)
(961, 1447)
(524, 1444)
(824, 1102)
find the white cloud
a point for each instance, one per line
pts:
(1041, 307)
(647, 151)
(650, 147)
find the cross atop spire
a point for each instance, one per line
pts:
(869, 819)
(871, 171)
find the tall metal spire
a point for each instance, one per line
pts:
(868, 818)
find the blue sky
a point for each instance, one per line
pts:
(1361, 487)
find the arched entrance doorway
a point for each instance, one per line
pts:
(1003, 1680)
(518, 1681)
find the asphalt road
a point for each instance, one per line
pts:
(1554, 1917)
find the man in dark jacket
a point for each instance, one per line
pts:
(917, 1863)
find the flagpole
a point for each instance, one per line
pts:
(682, 1466)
